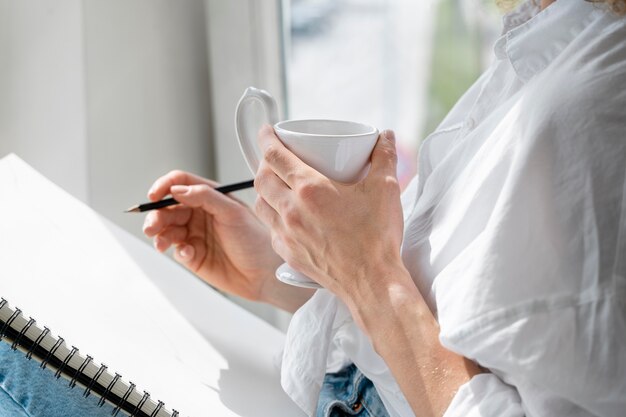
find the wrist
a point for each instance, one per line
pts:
(383, 302)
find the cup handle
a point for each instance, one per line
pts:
(247, 143)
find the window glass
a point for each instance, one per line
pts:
(394, 64)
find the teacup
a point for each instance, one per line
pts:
(338, 149)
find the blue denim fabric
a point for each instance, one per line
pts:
(26, 390)
(349, 393)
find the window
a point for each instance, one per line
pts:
(397, 64)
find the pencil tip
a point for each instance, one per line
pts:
(134, 209)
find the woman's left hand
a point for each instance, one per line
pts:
(342, 236)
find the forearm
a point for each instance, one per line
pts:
(405, 333)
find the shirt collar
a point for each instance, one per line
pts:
(524, 12)
(532, 38)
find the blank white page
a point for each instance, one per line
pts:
(115, 298)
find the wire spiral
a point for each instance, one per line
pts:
(17, 332)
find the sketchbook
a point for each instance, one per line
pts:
(76, 290)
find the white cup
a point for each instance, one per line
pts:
(338, 149)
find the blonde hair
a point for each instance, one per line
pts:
(617, 6)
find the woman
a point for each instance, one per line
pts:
(494, 286)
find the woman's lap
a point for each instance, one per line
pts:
(26, 390)
(349, 393)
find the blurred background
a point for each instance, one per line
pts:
(104, 96)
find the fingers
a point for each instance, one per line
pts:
(191, 253)
(158, 220)
(267, 214)
(281, 160)
(184, 254)
(278, 245)
(204, 196)
(271, 188)
(170, 236)
(161, 186)
(384, 157)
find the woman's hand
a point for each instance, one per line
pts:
(345, 237)
(219, 238)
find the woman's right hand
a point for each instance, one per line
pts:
(220, 239)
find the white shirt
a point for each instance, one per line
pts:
(515, 232)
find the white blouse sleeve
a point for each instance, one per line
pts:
(485, 395)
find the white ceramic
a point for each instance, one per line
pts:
(338, 149)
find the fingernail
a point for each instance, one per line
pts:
(268, 127)
(179, 189)
(147, 225)
(186, 252)
(390, 135)
(265, 131)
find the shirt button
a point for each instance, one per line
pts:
(470, 123)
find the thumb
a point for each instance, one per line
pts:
(384, 157)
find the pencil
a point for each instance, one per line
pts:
(225, 189)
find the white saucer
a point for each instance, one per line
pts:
(290, 276)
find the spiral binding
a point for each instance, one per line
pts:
(146, 396)
(157, 409)
(31, 321)
(93, 380)
(9, 322)
(52, 351)
(51, 354)
(130, 389)
(81, 369)
(37, 343)
(67, 360)
(108, 390)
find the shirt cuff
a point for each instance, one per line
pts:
(485, 395)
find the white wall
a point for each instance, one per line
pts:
(147, 98)
(104, 96)
(42, 89)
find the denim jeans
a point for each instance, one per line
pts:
(349, 393)
(27, 390)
